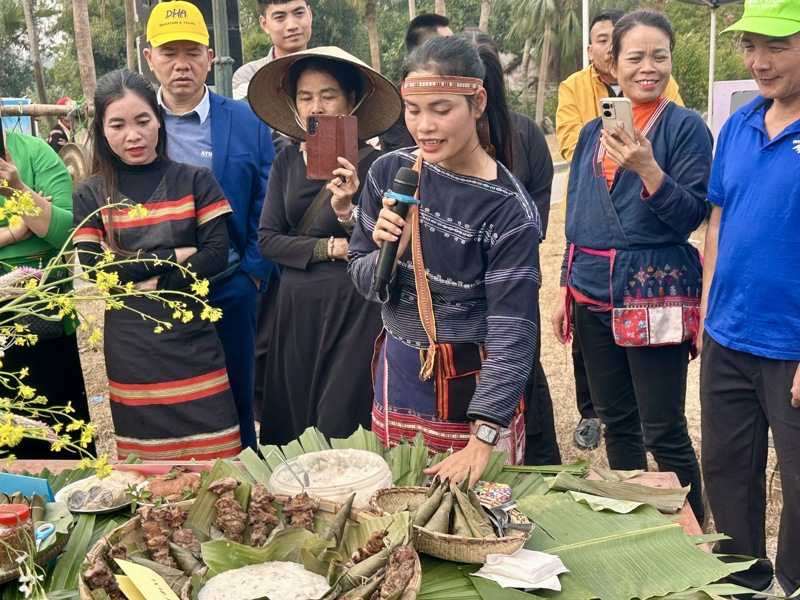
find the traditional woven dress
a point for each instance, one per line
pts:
(480, 245)
(170, 396)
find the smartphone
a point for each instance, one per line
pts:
(328, 137)
(615, 111)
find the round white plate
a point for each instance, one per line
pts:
(61, 496)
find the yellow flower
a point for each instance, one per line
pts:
(75, 425)
(211, 314)
(95, 336)
(137, 212)
(23, 372)
(10, 434)
(87, 434)
(26, 391)
(158, 329)
(200, 287)
(102, 467)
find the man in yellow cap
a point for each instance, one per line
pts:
(223, 135)
(750, 370)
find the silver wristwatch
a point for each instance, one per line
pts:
(486, 434)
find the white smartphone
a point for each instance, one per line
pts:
(617, 111)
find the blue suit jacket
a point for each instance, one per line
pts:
(241, 162)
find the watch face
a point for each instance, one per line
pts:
(487, 434)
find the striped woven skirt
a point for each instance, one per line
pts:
(169, 392)
(405, 406)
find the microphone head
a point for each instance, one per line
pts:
(406, 182)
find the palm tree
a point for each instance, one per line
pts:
(531, 18)
(12, 23)
(371, 17)
(439, 8)
(83, 44)
(486, 12)
(412, 9)
(33, 39)
(130, 36)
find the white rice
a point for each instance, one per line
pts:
(276, 580)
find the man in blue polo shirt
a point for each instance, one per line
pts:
(749, 378)
(225, 136)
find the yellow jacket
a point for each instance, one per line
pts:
(579, 102)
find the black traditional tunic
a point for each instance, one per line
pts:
(319, 360)
(170, 397)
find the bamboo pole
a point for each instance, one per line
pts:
(44, 110)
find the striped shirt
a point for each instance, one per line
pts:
(480, 244)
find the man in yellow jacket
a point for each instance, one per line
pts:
(578, 103)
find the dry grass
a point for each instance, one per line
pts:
(556, 359)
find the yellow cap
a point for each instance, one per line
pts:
(176, 21)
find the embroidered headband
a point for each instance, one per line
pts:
(437, 84)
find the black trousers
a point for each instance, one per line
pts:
(640, 395)
(541, 444)
(583, 397)
(742, 396)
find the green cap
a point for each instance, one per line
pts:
(775, 18)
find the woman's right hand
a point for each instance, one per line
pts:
(182, 254)
(559, 318)
(390, 226)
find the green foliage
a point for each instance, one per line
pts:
(690, 63)
(107, 24)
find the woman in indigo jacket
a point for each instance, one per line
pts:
(630, 275)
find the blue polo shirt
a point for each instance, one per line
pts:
(754, 302)
(189, 134)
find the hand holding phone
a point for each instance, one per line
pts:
(617, 111)
(327, 138)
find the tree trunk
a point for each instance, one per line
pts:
(130, 36)
(542, 89)
(412, 9)
(439, 8)
(486, 12)
(525, 66)
(372, 30)
(83, 44)
(33, 39)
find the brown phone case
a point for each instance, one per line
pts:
(328, 137)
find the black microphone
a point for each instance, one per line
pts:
(405, 184)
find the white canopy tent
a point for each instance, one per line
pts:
(712, 4)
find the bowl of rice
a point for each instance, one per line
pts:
(333, 475)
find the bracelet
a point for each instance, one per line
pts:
(330, 249)
(348, 220)
(11, 233)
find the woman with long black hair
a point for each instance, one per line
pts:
(460, 317)
(170, 396)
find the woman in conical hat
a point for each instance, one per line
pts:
(317, 370)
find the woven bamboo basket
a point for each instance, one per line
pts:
(131, 532)
(456, 548)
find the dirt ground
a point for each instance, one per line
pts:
(556, 359)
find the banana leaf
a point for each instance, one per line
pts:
(202, 514)
(613, 475)
(618, 556)
(224, 555)
(597, 503)
(666, 500)
(406, 461)
(356, 536)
